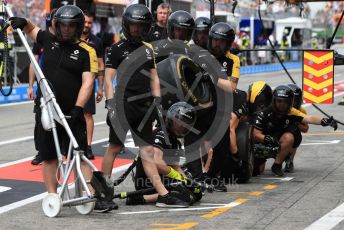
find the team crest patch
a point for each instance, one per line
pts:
(75, 55)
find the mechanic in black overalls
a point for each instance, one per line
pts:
(221, 37)
(275, 126)
(70, 66)
(136, 25)
(180, 118)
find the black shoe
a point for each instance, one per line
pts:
(220, 187)
(277, 169)
(135, 200)
(217, 184)
(170, 201)
(104, 206)
(289, 166)
(89, 153)
(37, 160)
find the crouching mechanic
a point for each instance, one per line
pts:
(245, 108)
(275, 126)
(180, 119)
(259, 98)
(301, 127)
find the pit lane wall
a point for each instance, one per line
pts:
(19, 92)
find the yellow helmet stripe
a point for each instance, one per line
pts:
(256, 89)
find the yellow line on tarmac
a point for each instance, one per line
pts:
(219, 211)
(182, 226)
(270, 187)
(255, 193)
(323, 133)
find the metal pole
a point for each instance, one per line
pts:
(212, 12)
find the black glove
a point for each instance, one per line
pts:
(271, 141)
(17, 22)
(76, 114)
(329, 122)
(110, 105)
(157, 101)
(236, 159)
(206, 77)
(242, 111)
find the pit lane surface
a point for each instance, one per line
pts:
(293, 202)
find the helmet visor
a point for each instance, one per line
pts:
(180, 128)
(68, 30)
(282, 106)
(201, 38)
(218, 47)
(260, 103)
(183, 34)
(138, 31)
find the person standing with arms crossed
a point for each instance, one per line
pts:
(159, 30)
(90, 107)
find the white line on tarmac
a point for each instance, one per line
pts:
(100, 141)
(16, 140)
(323, 143)
(21, 203)
(328, 221)
(28, 138)
(16, 103)
(229, 205)
(211, 204)
(38, 197)
(15, 162)
(4, 188)
(276, 178)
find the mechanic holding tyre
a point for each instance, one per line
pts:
(259, 97)
(221, 37)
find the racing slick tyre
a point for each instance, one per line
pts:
(245, 146)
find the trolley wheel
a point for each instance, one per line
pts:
(86, 208)
(52, 205)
